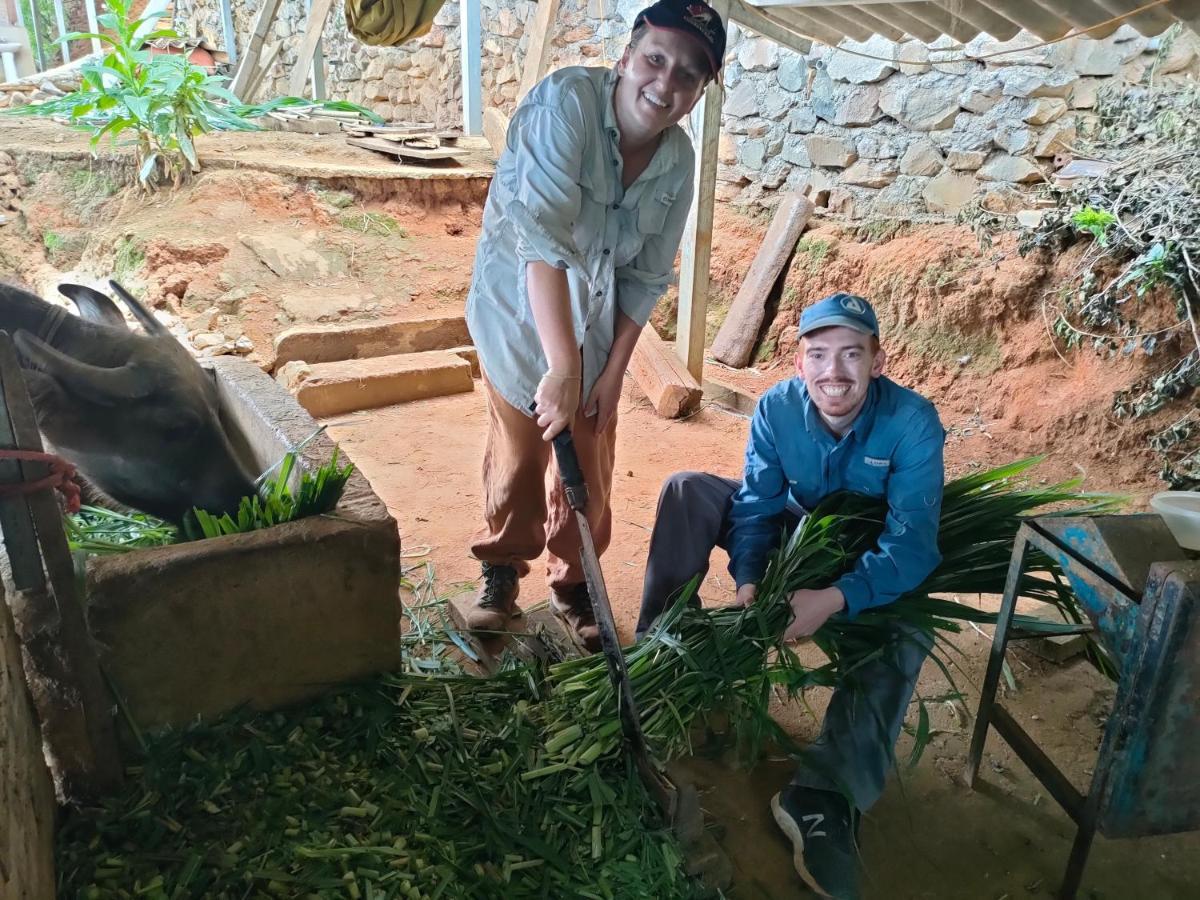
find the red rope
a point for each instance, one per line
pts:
(61, 477)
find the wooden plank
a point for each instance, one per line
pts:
(768, 27)
(697, 237)
(536, 634)
(249, 64)
(495, 129)
(260, 71)
(312, 37)
(73, 702)
(671, 389)
(540, 30)
(394, 149)
(739, 332)
(471, 40)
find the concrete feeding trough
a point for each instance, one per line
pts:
(260, 619)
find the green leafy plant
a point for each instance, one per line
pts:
(318, 493)
(162, 100)
(1095, 222)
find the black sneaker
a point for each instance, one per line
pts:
(823, 828)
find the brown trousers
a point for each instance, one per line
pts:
(520, 520)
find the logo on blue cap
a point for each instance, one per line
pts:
(845, 310)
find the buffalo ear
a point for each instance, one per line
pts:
(105, 386)
(93, 305)
(153, 327)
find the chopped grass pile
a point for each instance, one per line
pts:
(408, 787)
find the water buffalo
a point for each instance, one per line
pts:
(135, 413)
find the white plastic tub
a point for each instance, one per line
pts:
(1181, 511)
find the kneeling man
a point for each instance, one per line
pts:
(838, 425)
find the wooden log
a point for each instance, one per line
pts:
(312, 37)
(664, 378)
(739, 332)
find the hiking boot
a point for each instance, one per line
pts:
(496, 601)
(823, 828)
(573, 606)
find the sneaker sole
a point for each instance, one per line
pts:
(791, 829)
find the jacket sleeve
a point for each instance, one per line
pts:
(643, 281)
(758, 505)
(546, 142)
(908, 548)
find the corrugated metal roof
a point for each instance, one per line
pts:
(964, 20)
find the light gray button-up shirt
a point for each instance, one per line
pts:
(557, 197)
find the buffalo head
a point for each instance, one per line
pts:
(135, 413)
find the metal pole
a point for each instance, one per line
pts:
(470, 50)
(318, 62)
(61, 21)
(38, 50)
(93, 25)
(227, 29)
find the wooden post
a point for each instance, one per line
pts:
(471, 49)
(245, 70)
(697, 236)
(226, 28)
(260, 71)
(318, 13)
(74, 705)
(93, 24)
(540, 29)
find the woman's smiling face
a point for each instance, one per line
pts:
(663, 75)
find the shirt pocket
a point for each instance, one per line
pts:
(868, 475)
(652, 214)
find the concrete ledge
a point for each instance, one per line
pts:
(330, 343)
(328, 389)
(260, 619)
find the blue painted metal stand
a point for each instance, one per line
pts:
(1146, 613)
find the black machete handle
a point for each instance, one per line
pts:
(568, 467)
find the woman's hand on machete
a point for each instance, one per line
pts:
(555, 403)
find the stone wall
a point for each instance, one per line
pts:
(26, 792)
(906, 128)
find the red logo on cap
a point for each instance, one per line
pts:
(700, 18)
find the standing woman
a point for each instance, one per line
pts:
(580, 231)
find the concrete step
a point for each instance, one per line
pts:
(330, 388)
(330, 343)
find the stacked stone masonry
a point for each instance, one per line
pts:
(879, 128)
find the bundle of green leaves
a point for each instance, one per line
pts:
(695, 661)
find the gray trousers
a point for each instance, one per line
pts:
(855, 749)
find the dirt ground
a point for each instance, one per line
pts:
(251, 252)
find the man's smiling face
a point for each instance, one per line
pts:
(837, 364)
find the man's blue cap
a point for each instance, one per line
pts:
(846, 310)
